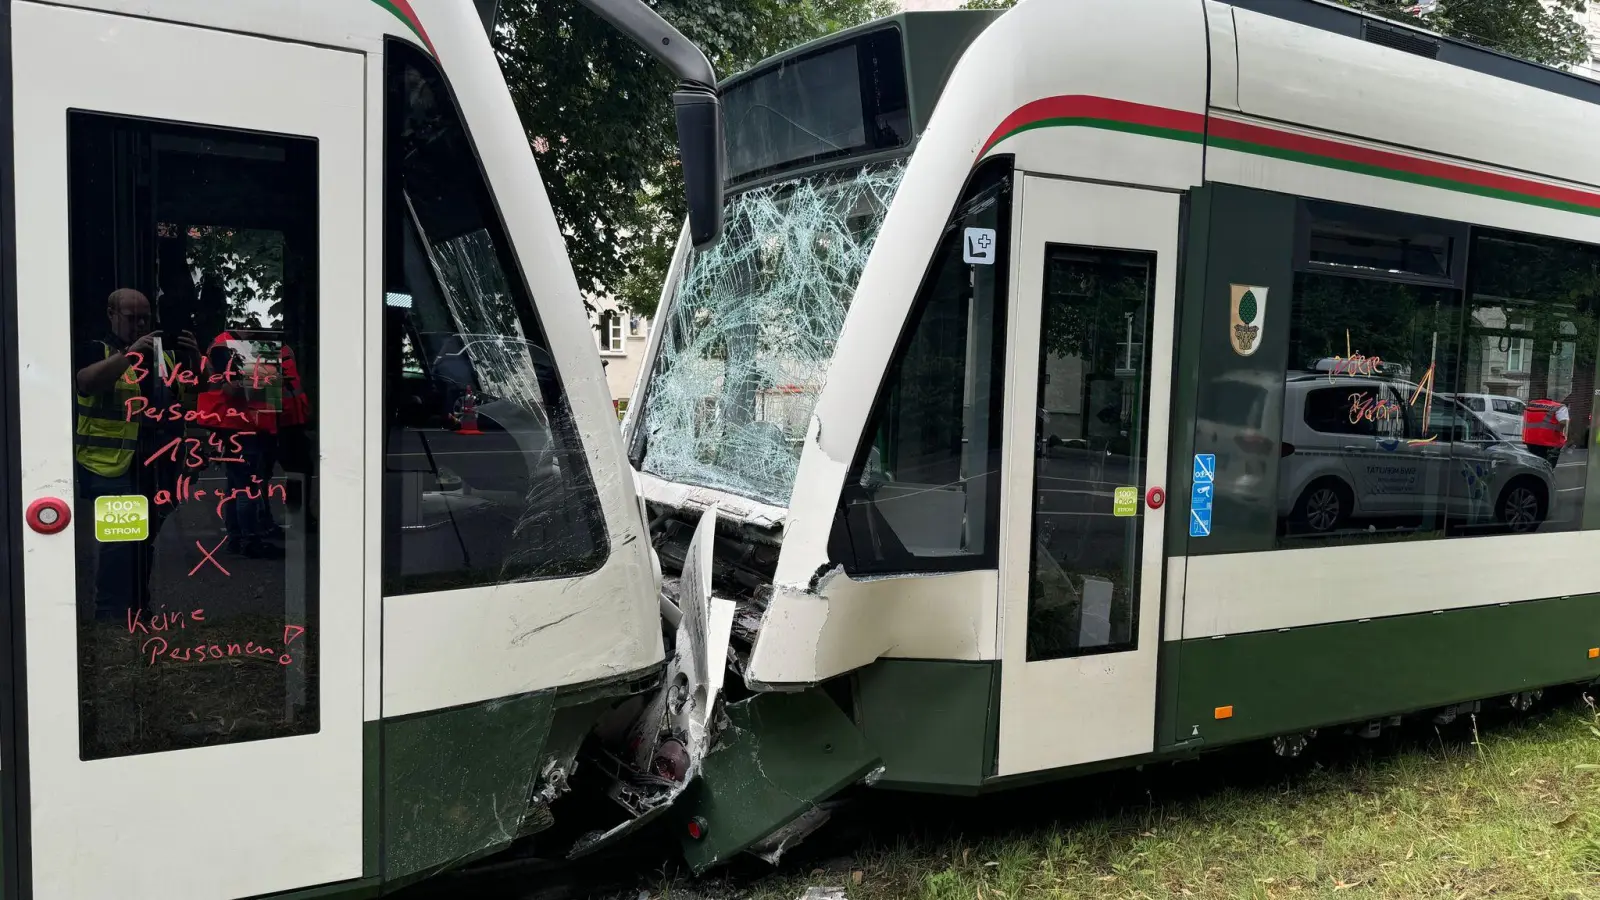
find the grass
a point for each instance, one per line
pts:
(1491, 806)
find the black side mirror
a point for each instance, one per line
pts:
(700, 150)
(699, 112)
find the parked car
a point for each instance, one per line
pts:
(1502, 413)
(1359, 449)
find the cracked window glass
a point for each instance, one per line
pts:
(484, 474)
(753, 327)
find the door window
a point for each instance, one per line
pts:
(195, 359)
(485, 480)
(1089, 454)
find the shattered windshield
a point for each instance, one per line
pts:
(752, 328)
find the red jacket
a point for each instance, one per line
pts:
(221, 412)
(1539, 425)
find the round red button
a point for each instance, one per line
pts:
(1155, 498)
(47, 515)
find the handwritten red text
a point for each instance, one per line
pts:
(159, 649)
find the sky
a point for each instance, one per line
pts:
(930, 4)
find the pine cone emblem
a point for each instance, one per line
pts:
(1247, 308)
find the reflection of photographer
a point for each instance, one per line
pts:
(111, 446)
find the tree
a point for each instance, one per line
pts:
(989, 4)
(1544, 31)
(597, 111)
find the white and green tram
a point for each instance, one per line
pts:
(322, 555)
(1103, 382)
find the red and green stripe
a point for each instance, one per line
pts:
(401, 9)
(1081, 111)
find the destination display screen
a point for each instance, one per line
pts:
(842, 100)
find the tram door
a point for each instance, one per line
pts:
(1086, 407)
(190, 275)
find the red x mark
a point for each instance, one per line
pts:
(208, 556)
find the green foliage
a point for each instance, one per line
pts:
(598, 112)
(248, 267)
(1544, 32)
(1477, 809)
(989, 4)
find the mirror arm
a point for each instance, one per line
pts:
(679, 54)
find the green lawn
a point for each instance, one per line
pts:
(1503, 806)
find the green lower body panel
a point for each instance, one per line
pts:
(456, 785)
(780, 756)
(457, 782)
(1279, 682)
(933, 722)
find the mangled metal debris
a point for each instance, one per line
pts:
(661, 752)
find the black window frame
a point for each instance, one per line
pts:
(869, 82)
(1136, 612)
(563, 425)
(1309, 212)
(999, 170)
(136, 260)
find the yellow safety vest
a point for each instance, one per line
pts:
(105, 438)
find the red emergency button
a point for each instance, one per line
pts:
(47, 515)
(1155, 498)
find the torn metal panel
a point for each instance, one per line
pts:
(748, 338)
(457, 784)
(773, 846)
(661, 751)
(781, 757)
(809, 636)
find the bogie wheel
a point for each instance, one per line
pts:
(1290, 746)
(1525, 700)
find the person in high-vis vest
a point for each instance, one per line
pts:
(113, 443)
(1544, 428)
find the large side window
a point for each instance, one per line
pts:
(1529, 349)
(485, 480)
(1374, 321)
(923, 493)
(195, 359)
(1464, 361)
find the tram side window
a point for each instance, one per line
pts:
(923, 494)
(1467, 359)
(195, 357)
(1374, 323)
(485, 480)
(1528, 348)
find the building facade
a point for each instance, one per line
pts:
(620, 337)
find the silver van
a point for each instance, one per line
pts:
(1373, 449)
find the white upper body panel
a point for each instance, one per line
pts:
(1041, 49)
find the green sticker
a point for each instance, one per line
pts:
(124, 518)
(1125, 501)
